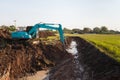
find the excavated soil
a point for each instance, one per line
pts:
(4, 33)
(19, 58)
(45, 34)
(42, 33)
(23, 58)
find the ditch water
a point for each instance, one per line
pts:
(79, 72)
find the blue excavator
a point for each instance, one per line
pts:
(33, 31)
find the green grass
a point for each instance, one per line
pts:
(109, 43)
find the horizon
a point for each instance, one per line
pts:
(70, 13)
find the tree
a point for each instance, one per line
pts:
(104, 29)
(12, 28)
(114, 32)
(87, 30)
(67, 30)
(76, 30)
(4, 27)
(96, 30)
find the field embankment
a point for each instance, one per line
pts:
(110, 44)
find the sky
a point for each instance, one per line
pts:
(70, 13)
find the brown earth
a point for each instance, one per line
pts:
(20, 58)
(42, 33)
(4, 33)
(45, 34)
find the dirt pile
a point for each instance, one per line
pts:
(20, 58)
(42, 33)
(24, 58)
(4, 34)
(95, 65)
(45, 34)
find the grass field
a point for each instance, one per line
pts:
(109, 43)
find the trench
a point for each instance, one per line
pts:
(87, 63)
(74, 68)
(78, 68)
(79, 60)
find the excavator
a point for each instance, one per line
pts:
(34, 30)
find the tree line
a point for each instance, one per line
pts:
(10, 28)
(96, 30)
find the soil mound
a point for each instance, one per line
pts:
(42, 33)
(45, 34)
(4, 36)
(20, 58)
(4, 33)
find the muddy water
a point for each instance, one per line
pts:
(80, 72)
(78, 68)
(72, 48)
